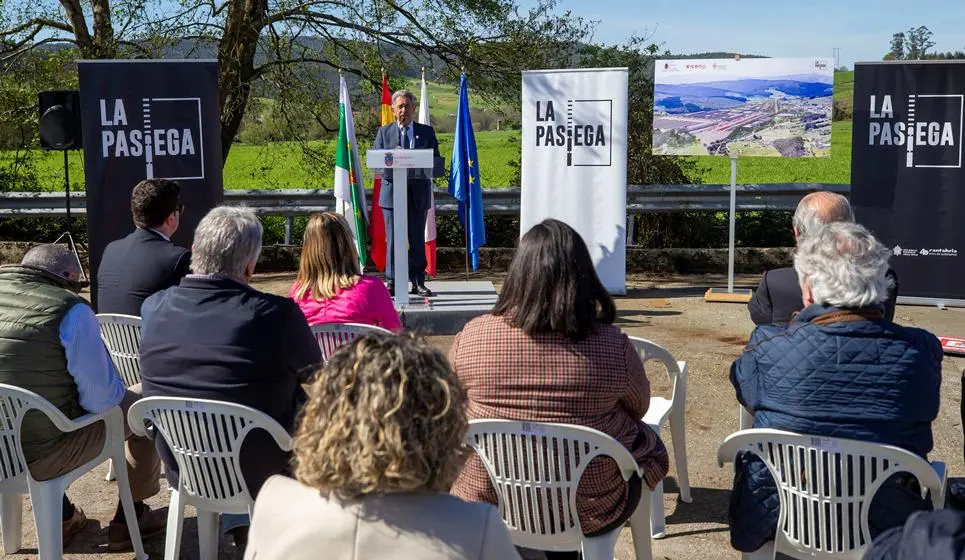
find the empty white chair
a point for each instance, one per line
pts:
(122, 336)
(832, 481)
(205, 438)
(535, 469)
(661, 410)
(46, 497)
(331, 336)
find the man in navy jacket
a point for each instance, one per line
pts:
(841, 369)
(215, 337)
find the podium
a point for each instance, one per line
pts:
(400, 161)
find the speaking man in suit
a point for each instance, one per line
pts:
(407, 135)
(144, 262)
(779, 297)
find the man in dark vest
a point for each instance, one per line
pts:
(50, 344)
(144, 262)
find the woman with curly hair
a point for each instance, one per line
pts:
(330, 286)
(377, 448)
(549, 352)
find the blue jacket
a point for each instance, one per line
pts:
(839, 373)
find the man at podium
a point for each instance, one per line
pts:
(408, 135)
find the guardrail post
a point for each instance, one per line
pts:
(289, 222)
(631, 229)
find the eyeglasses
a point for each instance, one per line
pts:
(180, 208)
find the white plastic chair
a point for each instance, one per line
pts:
(47, 496)
(205, 439)
(662, 409)
(535, 469)
(122, 337)
(836, 478)
(331, 336)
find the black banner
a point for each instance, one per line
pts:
(907, 174)
(148, 119)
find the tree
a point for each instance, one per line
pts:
(919, 42)
(288, 45)
(897, 51)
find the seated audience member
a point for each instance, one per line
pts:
(938, 535)
(215, 337)
(549, 352)
(377, 448)
(330, 287)
(778, 297)
(145, 261)
(50, 344)
(840, 369)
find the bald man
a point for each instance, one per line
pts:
(778, 297)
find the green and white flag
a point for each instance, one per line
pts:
(349, 192)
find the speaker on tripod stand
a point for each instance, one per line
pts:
(60, 130)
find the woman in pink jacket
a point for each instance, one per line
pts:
(330, 287)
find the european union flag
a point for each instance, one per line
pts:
(464, 184)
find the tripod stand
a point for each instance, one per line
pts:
(67, 233)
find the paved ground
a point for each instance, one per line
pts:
(671, 312)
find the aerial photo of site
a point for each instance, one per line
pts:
(750, 107)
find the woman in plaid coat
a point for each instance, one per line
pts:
(548, 352)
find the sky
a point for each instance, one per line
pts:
(861, 29)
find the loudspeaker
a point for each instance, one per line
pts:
(60, 120)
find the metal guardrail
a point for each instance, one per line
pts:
(499, 201)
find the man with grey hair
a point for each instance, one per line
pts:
(50, 344)
(841, 369)
(778, 297)
(216, 337)
(407, 135)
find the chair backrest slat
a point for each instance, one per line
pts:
(535, 469)
(825, 486)
(122, 337)
(331, 336)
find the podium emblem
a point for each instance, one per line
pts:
(388, 159)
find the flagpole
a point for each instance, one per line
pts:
(465, 228)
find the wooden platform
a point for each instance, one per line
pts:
(739, 295)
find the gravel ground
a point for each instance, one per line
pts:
(671, 312)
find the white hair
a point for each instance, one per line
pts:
(226, 241)
(403, 93)
(820, 208)
(843, 266)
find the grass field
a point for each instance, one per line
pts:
(283, 165)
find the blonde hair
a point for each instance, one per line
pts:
(329, 261)
(386, 414)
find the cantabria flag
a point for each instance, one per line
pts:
(349, 193)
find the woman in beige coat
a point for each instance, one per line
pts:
(378, 446)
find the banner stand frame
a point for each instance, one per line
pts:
(940, 303)
(730, 295)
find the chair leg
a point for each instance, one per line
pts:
(11, 521)
(600, 548)
(765, 552)
(172, 537)
(127, 500)
(640, 529)
(47, 501)
(208, 534)
(658, 527)
(110, 471)
(678, 433)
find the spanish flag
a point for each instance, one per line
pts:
(376, 221)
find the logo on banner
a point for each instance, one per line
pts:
(931, 131)
(165, 133)
(583, 132)
(899, 251)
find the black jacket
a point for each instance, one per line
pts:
(938, 535)
(779, 297)
(215, 338)
(135, 267)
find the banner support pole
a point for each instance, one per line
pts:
(733, 217)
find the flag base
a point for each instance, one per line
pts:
(721, 295)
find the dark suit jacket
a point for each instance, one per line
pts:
(135, 267)
(779, 297)
(419, 184)
(215, 338)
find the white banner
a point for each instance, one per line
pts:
(574, 165)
